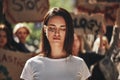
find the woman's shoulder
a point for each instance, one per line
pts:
(76, 58)
(37, 58)
(77, 61)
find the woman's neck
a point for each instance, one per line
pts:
(58, 53)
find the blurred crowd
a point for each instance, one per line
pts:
(100, 49)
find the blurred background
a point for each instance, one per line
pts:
(75, 7)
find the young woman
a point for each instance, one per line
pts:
(89, 57)
(5, 38)
(21, 31)
(101, 45)
(58, 63)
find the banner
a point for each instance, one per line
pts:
(11, 64)
(108, 9)
(90, 24)
(25, 10)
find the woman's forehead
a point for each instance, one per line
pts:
(59, 19)
(22, 29)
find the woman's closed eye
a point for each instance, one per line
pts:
(53, 29)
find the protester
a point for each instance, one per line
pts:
(116, 56)
(89, 57)
(21, 32)
(106, 69)
(5, 38)
(58, 63)
(101, 45)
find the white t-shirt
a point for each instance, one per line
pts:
(44, 68)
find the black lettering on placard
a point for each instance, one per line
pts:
(91, 25)
(20, 5)
(11, 59)
(83, 23)
(75, 21)
(29, 5)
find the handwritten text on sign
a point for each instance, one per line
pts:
(26, 10)
(89, 23)
(11, 64)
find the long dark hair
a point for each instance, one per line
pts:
(68, 43)
(4, 28)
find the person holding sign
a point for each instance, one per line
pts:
(58, 63)
(5, 38)
(101, 45)
(90, 57)
(21, 31)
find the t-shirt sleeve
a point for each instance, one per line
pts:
(85, 73)
(26, 72)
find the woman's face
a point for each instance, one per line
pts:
(3, 39)
(56, 30)
(104, 42)
(76, 45)
(22, 34)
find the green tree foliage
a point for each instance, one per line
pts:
(67, 4)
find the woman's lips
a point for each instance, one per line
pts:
(56, 38)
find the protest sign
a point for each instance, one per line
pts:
(11, 64)
(25, 10)
(90, 24)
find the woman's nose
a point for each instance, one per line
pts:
(57, 32)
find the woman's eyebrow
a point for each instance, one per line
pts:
(55, 25)
(51, 25)
(63, 25)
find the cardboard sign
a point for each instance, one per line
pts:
(90, 24)
(25, 10)
(11, 64)
(108, 9)
(118, 17)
